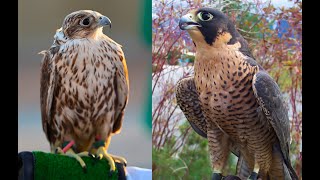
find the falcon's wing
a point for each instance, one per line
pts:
(270, 100)
(189, 103)
(47, 86)
(121, 85)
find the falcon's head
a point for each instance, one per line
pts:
(84, 24)
(208, 26)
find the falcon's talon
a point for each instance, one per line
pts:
(72, 154)
(110, 173)
(101, 153)
(253, 176)
(84, 169)
(119, 159)
(84, 154)
(58, 150)
(91, 155)
(217, 176)
(99, 157)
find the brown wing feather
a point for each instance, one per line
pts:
(47, 86)
(121, 87)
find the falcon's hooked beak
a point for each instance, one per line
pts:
(104, 21)
(187, 22)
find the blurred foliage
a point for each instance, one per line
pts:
(274, 35)
(192, 162)
(145, 33)
(145, 30)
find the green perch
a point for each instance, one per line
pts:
(39, 165)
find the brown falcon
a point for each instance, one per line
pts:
(84, 88)
(233, 102)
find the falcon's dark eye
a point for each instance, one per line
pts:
(85, 22)
(205, 16)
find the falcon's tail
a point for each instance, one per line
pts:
(281, 167)
(288, 170)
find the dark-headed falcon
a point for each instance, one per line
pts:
(233, 102)
(84, 88)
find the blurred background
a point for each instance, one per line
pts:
(38, 21)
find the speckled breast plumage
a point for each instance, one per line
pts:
(225, 91)
(86, 95)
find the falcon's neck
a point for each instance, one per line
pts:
(96, 37)
(218, 54)
(60, 38)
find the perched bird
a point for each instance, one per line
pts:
(233, 102)
(84, 88)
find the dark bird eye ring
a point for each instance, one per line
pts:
(205, 16)
(85, 22)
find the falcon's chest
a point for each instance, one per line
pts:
(86, 76)
(224, 83)
(87, 64)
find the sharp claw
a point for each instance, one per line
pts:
(216, 176)
(111, 172)
(68, 151)
(99, 157)
(253, 176)
(84, 168)
(119, 159)
(111, 162)
(101, 153)
(91, 155)
(58, 150)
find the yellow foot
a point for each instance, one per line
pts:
(119, 159)
(254, 174)
(71, 153)
(102, 153)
